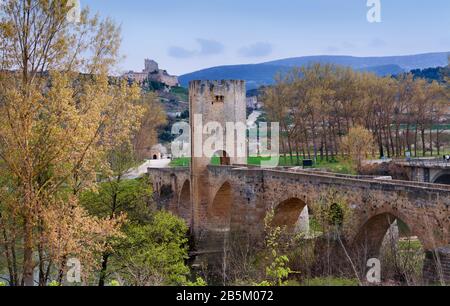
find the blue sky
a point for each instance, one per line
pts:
(188, 35)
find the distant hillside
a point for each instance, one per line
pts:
(406, 62)
(255, 75)
(383, 70)
(263, 74)
(173, 99)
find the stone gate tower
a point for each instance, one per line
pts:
(212, 101)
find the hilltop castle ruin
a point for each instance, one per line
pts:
(152, 72)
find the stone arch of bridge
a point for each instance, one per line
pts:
(219, 212)
(184, 207)
(442, 177)
(166, 196)
(165, 190)
(370, 235)
(292, 213)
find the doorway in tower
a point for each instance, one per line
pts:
(221, 158)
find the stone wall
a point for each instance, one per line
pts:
(167, 79)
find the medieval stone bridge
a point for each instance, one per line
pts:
(233, 197)
(237, 198)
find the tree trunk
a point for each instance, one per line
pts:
(431, 139)
(61, 269)
(408, 143)
(290, 150)
(416, 136)
(314, 142)
(28, 265)
(8, 257)
(438, 142)
(389, 130)
(102, 277)
(297, 150)
(424, 148)
(308, 149)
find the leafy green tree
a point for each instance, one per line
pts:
(115, 197)
(277, 269)
(130, 197)
(114, 283)
(153, 247)
(155, 253)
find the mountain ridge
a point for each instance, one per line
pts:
(263, 73)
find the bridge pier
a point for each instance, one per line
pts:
(428, 171)
(436, 268)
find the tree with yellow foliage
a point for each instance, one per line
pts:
(154, 117)
(60, 115)
(358, 144)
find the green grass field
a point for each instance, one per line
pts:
(180, 162)
(342, 167)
